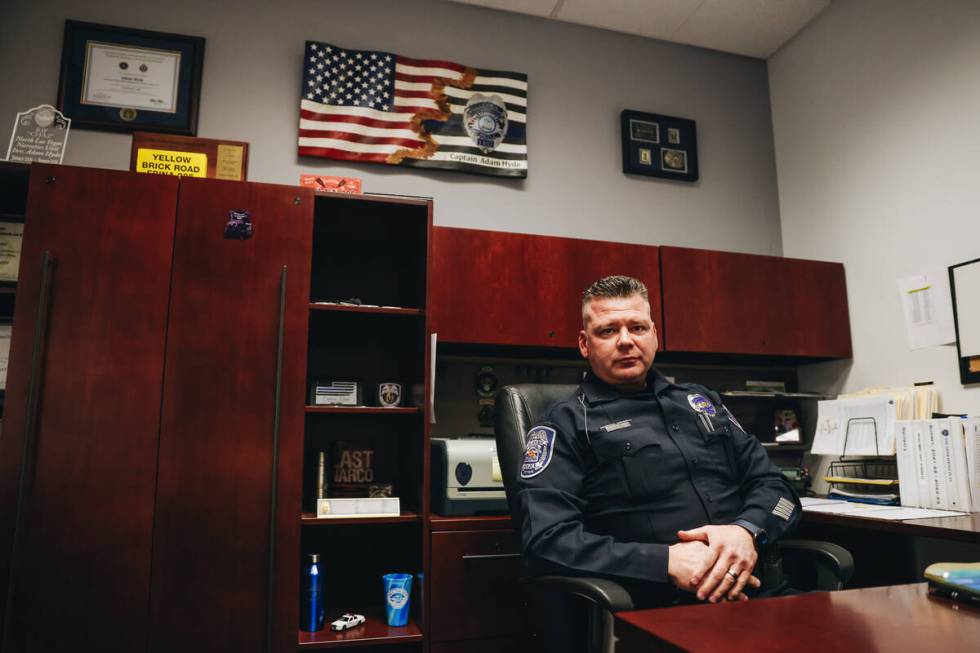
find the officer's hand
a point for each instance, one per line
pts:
(687, 564)
(732, 549)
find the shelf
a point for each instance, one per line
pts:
(794, 446)
(374, 632)
(310, 519)
(748, 394)
(365, 410)
(474, 523)
(375, 197)
(388, 310)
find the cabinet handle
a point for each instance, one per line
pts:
(25, 483)
(492, 556)
(270, 573)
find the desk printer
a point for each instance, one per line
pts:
(466, 478)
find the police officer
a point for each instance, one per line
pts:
(650, 483)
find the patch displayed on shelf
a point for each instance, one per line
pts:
(538, 451)
(700, 404)
(239, 225)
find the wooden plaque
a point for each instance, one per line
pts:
(167, 154)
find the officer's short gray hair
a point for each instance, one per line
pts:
(616, 285)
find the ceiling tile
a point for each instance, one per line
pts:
(652, 18)
(755, 28)
(531, 7)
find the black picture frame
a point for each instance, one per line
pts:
(120, 105)
(656, 145)
(969, 365)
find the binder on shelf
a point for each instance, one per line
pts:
(971, 427)
(908, 487)
(921, 464)
(346, 507)
(954, 463)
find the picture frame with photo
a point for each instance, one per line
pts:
(657, 145)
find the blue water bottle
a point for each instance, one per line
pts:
(312, 613)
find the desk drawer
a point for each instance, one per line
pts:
(474, 585)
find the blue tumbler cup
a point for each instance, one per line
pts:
(398, 588)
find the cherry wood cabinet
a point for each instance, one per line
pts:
(492, 287)
(476, 603)
(368, 317)
(233, 398)
(152, 362)
(78, 454)
(723, 302)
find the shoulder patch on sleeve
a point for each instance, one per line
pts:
(538, 451)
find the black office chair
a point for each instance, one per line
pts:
(808, 565)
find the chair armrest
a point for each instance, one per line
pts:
(836, 557)
(605, 593)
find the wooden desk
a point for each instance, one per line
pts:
(887, 619)
(961, 529)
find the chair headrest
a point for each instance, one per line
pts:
(517, 409)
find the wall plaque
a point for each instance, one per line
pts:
(167, 154)
(659, 146)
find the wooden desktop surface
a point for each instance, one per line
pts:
(962, 529)
(890, 619)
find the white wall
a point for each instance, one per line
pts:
(580, 79)
(876, 115)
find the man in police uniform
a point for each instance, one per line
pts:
(647, 482)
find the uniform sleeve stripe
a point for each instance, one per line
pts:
(784, 508)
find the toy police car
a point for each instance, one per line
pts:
(347, 620)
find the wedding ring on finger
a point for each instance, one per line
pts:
(734, 574)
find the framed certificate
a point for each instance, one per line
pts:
(121, 79)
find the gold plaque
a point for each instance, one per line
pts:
(229, 163)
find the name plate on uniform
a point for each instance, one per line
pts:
(165, 154)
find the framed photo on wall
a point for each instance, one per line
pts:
(659, 146)
(125, 80)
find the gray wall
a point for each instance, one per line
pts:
(580, 79)
(875, 111)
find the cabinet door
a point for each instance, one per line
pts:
(211, 544)
(720, 302)
(474, 585)
(84, 541)
(490, 287)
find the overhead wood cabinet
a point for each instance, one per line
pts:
(492, 287)
(153, 362)
(722, 302)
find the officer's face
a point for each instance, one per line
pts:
(619, 339)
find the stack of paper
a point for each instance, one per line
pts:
(863, 423)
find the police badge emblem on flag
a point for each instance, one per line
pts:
(389, 394)
(485, 120)
(538, 451)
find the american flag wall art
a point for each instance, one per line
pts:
(380, 107)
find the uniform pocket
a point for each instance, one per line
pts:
(617, 457)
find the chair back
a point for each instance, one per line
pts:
(517, 409)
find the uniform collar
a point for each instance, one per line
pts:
(598, 391)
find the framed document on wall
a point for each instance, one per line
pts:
(964, 286)
(659, 146)
(121, 79)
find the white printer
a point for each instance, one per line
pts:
(466, 477)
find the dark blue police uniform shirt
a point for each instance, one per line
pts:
(608, 479)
